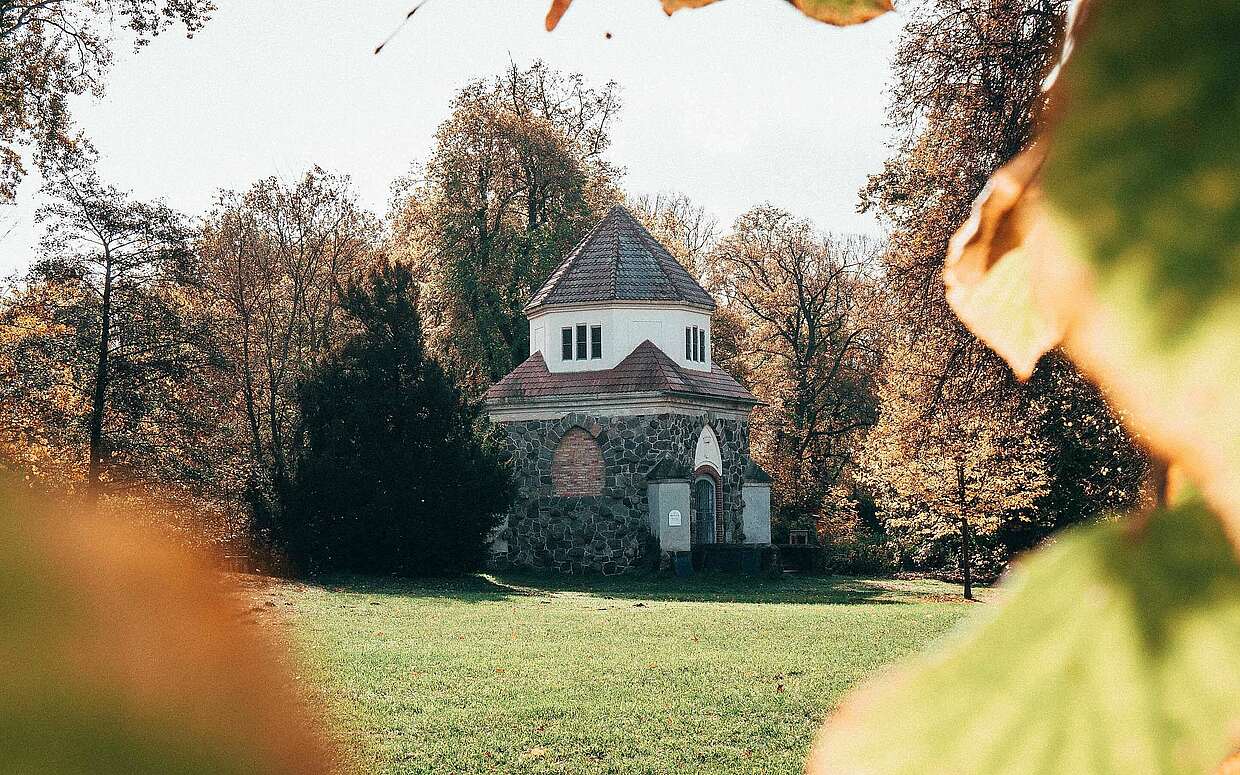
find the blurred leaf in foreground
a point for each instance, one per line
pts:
(1143, 183)
(993, 266)
(1130, 243)
(837, 12)
(1113, 652)
(120, 655)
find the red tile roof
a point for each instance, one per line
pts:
(646, 369)
(620, 260)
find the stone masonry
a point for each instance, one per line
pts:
(607, 532)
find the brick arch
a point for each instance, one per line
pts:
(577, 464)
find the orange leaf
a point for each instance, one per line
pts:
(556, 12)
(838, 12)
(999, 280)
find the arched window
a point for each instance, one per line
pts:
(577, 465)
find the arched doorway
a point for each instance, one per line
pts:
(708, 489)
(704, 502)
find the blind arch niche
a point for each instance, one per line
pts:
(577, 465)
(707, 452)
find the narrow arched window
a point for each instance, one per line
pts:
(577, 465)
(706, 517)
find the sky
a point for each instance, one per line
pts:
(739, 103)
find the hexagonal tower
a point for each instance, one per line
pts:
(627, 440)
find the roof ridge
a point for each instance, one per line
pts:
(561, 271)
(615, 248)
(672, 373)
(661, 253)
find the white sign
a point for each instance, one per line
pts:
(673, 518)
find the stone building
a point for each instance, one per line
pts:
(629, 444)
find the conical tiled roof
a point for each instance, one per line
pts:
(619, 261)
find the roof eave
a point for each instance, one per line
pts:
(514, 401)
(532, 307)
(751, 401)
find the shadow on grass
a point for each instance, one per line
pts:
(703, 588)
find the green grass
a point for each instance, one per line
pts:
(524, 674)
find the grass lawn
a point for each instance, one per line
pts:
(530, 674)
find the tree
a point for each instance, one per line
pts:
(804, 302)
(109, 357)
(680, 225)
(952, 472)
(51, 50)
(965, 99)
(391, 477)
(274, 260)
(516, 178)
(1096, 465)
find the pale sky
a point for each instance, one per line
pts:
(739, 103)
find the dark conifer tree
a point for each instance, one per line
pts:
(392, 474)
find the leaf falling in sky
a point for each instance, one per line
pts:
(400, 26)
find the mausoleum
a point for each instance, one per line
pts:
(629, 444)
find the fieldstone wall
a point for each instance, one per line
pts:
(609, 533)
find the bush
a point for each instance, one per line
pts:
(809, 559)
(862, 555)
(393, 475)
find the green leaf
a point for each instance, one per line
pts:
(1143, 184)
(1110, 654)
(841, 12)
(1145, 162)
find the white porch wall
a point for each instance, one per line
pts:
(625, 325)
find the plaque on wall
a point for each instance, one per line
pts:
(673, 518)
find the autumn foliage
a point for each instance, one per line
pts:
(120, 653)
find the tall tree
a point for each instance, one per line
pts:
(107, 351)
(950, 472)
(803, 300)
(51, 50)
(516, 177)
(391, 477)
(965, 98)
(274, 260)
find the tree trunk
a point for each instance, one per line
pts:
(99, 398)
(279, 469)
(247, 377)
(966, 558)
(966, 538)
